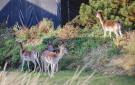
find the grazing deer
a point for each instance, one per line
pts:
(110, 26)
(28, 56)
(52, 59)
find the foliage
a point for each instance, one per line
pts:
(45, 26)
(9, 50)
(122, 10)
(68, 32)
(33, 36)
(21, 34)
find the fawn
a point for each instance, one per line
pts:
(28, 56)
(110, 26)
(52, 58)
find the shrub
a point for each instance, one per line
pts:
(33, 36)
(21, 34)
(9, 51)
(86, 15)
(45, 26)
(68, 32)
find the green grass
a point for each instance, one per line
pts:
(67, 78)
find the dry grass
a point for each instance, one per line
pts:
(127, 43)
(32, 78)
(63, 78)
(60, 78)
(130, 43)
(127, 60)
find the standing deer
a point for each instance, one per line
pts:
(52, 59)
(109, 26)
(50, 48)
(28, 56)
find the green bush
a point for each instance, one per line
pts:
(9, 51)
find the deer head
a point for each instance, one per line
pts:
(63, 49)
(98, 14)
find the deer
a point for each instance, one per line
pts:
(110, 26)
(50, 48)
(28, 56)
(52, 59)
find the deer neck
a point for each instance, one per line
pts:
(21, 46)
(22, 49)
(101, 21)
(60, 54)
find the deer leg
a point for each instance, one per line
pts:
(34, 62)
(46, 67)
(22, 64)
(53, 69)
(116, 33)
(48, 70)
(28, 65)
(120, 33)
(56, 67)
(42, 64)
(38, 63)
